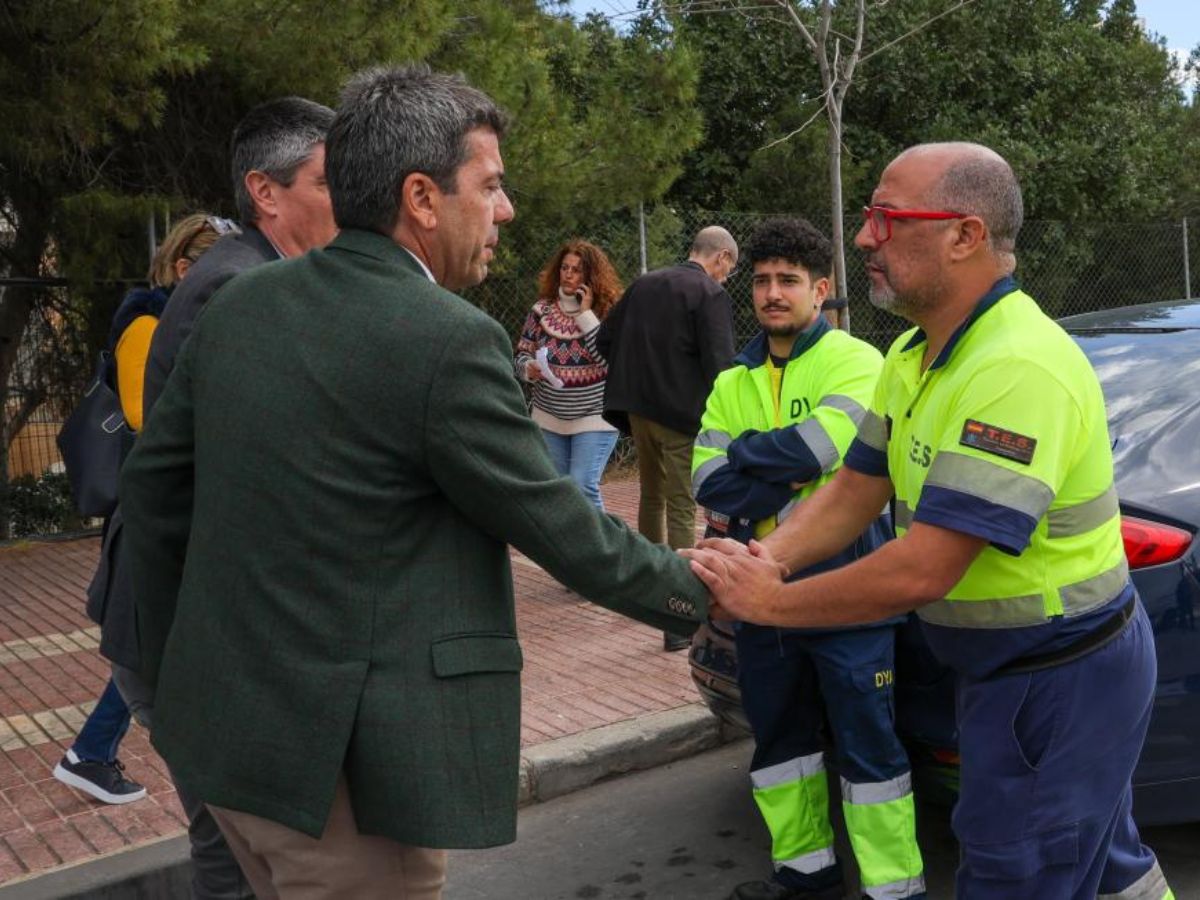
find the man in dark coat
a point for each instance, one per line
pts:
(278, 153)
(324, 497)
(666, 342)
(278, 156)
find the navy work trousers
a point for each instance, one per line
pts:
(793, 681)
(1045, 804)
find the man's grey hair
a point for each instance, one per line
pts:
(275, 138)
(979, 182)
(394, 122)
(712, 239)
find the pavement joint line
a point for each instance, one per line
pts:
(43, 726)
(44, 645)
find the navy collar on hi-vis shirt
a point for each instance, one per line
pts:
(1000, 289)
(755, 353)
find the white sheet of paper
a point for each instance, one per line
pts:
(543, 363)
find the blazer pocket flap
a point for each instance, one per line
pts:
(464, 654)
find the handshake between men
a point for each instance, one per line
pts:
(744, 580)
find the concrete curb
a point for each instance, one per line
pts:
(162, 869)
(155, 871)
(568, 764)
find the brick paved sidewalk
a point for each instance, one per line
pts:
(584, 667)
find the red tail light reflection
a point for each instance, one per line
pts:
(1151, 543)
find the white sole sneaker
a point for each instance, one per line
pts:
(70, 778)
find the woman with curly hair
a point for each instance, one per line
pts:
(578, 288)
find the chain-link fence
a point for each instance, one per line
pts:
(1069, 268)
(47, 373)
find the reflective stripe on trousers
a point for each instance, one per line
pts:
(793, 798)
(882, 824)
(1151, 886)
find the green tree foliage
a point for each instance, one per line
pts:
(116, 109)
(1084, 104)
(74, 76)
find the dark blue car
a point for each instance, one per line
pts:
(1148, 361)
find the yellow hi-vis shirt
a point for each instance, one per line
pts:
(1004, 437)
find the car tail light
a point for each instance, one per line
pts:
(1151, 543)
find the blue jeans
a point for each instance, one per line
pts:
(102, 732)
(583, 457)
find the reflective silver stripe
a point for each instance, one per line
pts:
(848, 405)
(809, 862)
(791, 770)
(904, 515)
(1002, 612)
(1010, 612)
(1095, 591)
(814, 435)
(988, 481)
(713, 440)
(786, 511)
(896, 890)
(872, 431)
(877, 791)
(1082, 517)
(1151, 886)
(705, 469)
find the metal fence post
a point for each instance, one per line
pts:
(642, 232)
(1187, 267)
(152, 239)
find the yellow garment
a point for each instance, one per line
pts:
(133, 348)
(767, 525)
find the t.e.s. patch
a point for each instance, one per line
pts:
(1000, 441)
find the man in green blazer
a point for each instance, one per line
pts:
(318, 513)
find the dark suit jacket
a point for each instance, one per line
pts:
(666, 342)
(318, 517)
(110, 595)
(229, 256)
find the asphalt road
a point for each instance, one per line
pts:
(690, 831)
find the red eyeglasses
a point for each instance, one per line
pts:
(879, 219)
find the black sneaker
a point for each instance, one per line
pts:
(104, 781)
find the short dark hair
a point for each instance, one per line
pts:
(795, 240)
(392, 122)
(981, 183)
(275, 138)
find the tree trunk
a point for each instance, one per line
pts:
(837, 216)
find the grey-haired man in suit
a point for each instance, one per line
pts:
(326, 493)
(278, 169)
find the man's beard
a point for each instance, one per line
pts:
(782, 331)
(882, 296)
(907, 305)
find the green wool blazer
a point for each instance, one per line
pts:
(318, 515)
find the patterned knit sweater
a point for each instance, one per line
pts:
(570, 337)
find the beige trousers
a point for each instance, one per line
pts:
(664, 459)
(283, 864)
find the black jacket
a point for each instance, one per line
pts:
(110, 598)
(665, 342)
(230, 255)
